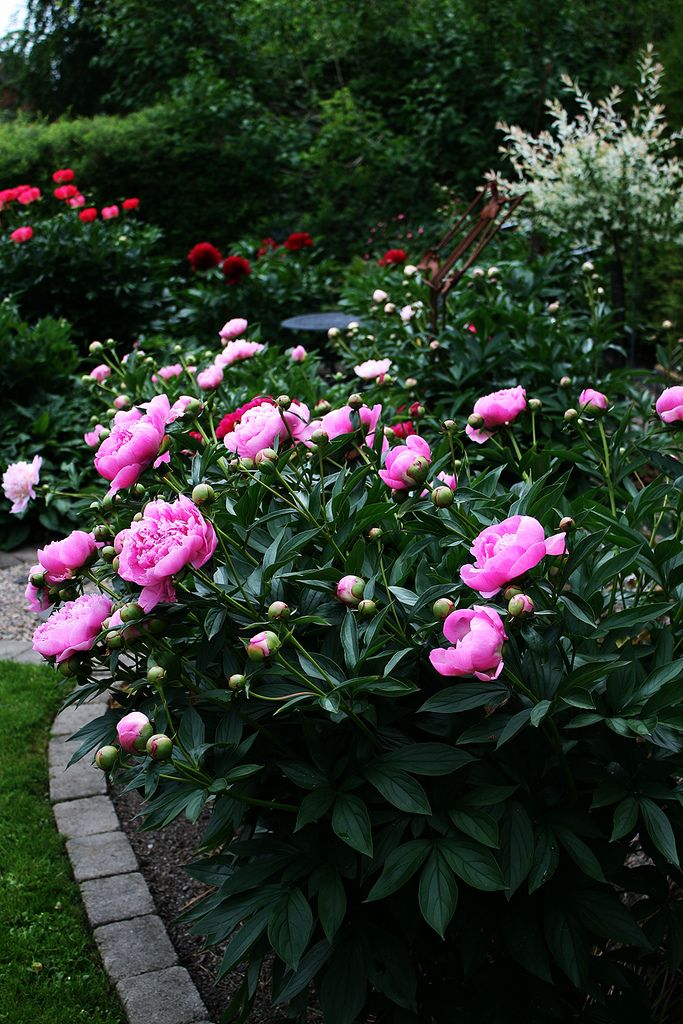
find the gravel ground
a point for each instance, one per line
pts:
(16, 621)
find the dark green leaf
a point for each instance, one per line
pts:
(400, 865)
(290, 927)
(438, 892)
(351, 822)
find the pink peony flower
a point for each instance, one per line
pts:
(407, 313)
(233, 329)
(478, 635)
(133, 731)
(379, 296)
(77, 201)
(121, 402)
(18, 482)
(133, 444)
(593, 401)
(22, 234)
(497, 410)
(406, 465)
(338, 422)
(236, 351)
(670, 405)
(262, 425)
(28, 195)
(350, 590)
(372, 368)
(36, 597)
(73, 627)
(110, 212)
(62, 558)
(298, 354)
(507, 550)
(167, 538)
(167, 372)
(210, 378)
(100, 372)
(92, 437)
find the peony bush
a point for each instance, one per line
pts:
(418, 661)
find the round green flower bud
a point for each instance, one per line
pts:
(278, 610)
(567, 524)
(443, 497)
(475, 421)
(442, 608)
(95, 348)
(571, 415)
(449, 425)
(565, 382)
(375, 533)
(104, 434)
(106, 757)
(265, 455)
(132, 612)
(283, 401)
(156, 627)
(237, 681)
(520, 606)
(108, 553)
(366, 609)
(68, 594)
(535, 404)
(114, 640)
(159, 747)
(37, 579)
(139, 489)
(355, 401)
(115, 564)
(203, 494)
(69, 668)
(103, 532)
(419, 470)
(320, 437)
(86, 380)
(246, 463)
(322, 406)
(156, 674)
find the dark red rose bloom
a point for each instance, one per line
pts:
(203, 256)
(298, 240)
(266, 245)
(230, 421)
(235, 268)
(88, 215)
(393, 258)
(404, 429)
(131, 204)
(65, 192)
(64, 176)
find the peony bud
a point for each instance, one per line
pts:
(283, 402)
(389, 307)
(156, 674)
(375, 533)
(520, 606)
(133, 730)
(565, 382)
(442, 497)
(379, 296)
(570, 415)
(475, 421)
(106, 757)
(553, 307)
(567, 524)
(237, 681)
(411, 382)
(442, 607)
(131, 612)
(322, 406)
(355, 401)
(350, 590)
(159, 747)
(263, 645)
(320, 437)
(434, 345)
(666, 325)
(103, 532)
(418, 470)
(535, 404)
(333, 332)
(203, 494)
(587, 267)
(278, 610)
(37, 579)
(366, 609)
(95, 348)
(265, 456)
(511, 592)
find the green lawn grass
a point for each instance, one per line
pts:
(50, 969)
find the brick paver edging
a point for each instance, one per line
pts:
(135, 948)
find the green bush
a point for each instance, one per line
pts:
(34, 357)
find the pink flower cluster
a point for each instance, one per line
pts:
(152, 550)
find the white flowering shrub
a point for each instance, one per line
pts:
(609, 179)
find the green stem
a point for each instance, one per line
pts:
(606, 466)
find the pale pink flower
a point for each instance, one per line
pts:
(298, 354)
(19, 481)
(236, 351)
(210, 378)
(92, 437)
(372, 368)
(100, 373)
(233, 329)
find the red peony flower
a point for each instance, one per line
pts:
(404, 429)
(131, 204)
(65, 192)
(88, 215)
(24, 234)
(64, 176)
(298, 240)
(203, 256)
(393, 258)
(266, 245)
(231, 419)
(235, 268)
(28, 195)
